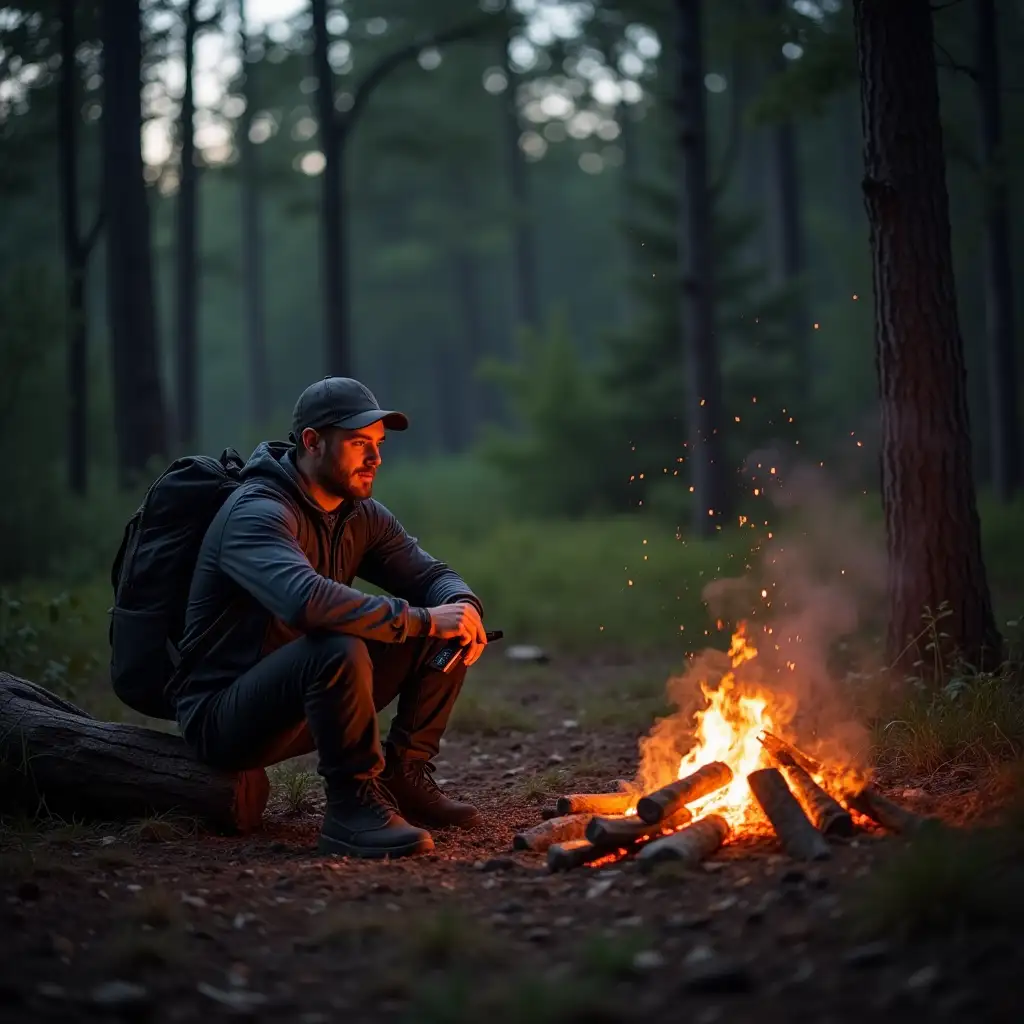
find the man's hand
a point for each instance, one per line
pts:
(461, 620)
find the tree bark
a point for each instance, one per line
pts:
(794, 829)
(664, 802)
(54, 755)
(554, 830)
(689, 846)
(785, 181)
(697, 294)
(524, 247)
(1003, 413)
(252, 244)
(595, 803)
(932, 528)
(333, 249)
(139, 412)
(76, 256)
(186, 255)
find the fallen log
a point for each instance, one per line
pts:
(689, 846)
(554, 830)
(799, 837)
(611, 833)
(828, 816)
(662, 803)
(595, 803)
(883, 811)
(56, 756)
(573, 854)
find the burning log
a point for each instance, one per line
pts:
(611, 833)
(776, 746)
(662, 803)
(573, 854)
(884, 812)
(689, 846)
(828, 816)
(595, 803)
(799, 837)
(554, 830)
(53, 753)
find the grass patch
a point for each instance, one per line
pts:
(486, 714)
(970, 722)
(945, 880)
(294, 785)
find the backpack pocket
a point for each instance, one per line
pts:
(140, 664)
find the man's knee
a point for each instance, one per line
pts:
(339, 657)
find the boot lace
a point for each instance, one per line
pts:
(373, 791)
(422, 772)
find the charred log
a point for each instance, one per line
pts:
(799, 837)
(54, 755)
(689, 846)
(554, 830)
(611, 833)
(663, 803)
(595, 803)
(884, 812)
(779, 748)
(573, 854)
(828, 816)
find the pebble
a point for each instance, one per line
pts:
(688, 921)
(648, 960)
(871, 954)
(538, 935)
(923, 980)
(599, 888)
(120, 995)
(496, 864)
(239, 1000)
(193, 901)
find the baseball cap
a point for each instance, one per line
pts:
(341, 402)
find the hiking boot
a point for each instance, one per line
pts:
(363, 822)
(420, 799)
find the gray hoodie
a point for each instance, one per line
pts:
(288, 566)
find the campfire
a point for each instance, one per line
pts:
(743, 776)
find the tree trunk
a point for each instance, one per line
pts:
(704, 397)
(333, 272)
(252, 245)
(932, 529)
(75, 258)
(139, 413)
(1004, 423)
(188, 213)
(524, 249)
(52, 754)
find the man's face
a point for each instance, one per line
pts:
(345, 462)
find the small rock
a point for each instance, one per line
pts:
(577, 745)
(241, 920)
(120, 995)
(28, 892)
(803, 973)
(108, 840)
(599, 888)
(526, 653)
(648, 960)
(48, 990)
(509, 772)
(725, 903)
(62, 946)
(193, 901)
(570, 723)
(555, 759)
(564, 922)
(511, 907)
(238, 1000)
(871, 954)
(698, 955)
(497, 864)
(630, 922)
(720, 975)
(924, 979)
(538, 935)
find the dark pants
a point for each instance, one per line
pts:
(323, 692)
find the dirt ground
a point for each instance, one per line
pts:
(153, 922)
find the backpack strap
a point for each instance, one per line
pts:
(185, 659)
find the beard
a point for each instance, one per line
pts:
(349, 486)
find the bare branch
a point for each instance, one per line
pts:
(390, 61)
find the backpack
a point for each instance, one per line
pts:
(151, 577)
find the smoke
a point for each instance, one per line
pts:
(811, 586)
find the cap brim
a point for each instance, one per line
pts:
(391, 419)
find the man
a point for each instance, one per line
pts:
(308, 660)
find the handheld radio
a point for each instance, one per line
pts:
(453, 652)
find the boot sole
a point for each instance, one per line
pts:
(328, 845)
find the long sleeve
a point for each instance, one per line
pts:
(395, 562)
(260, 552)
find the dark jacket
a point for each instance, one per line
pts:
(288, 567)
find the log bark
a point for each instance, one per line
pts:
(662, 803)
(689, 846)
(54, 755)
(554, 830)
(828, 816)
(799, 837)
(611, 833)
(884, 812)
(595, 803)
(778, 747)
(573, 854)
